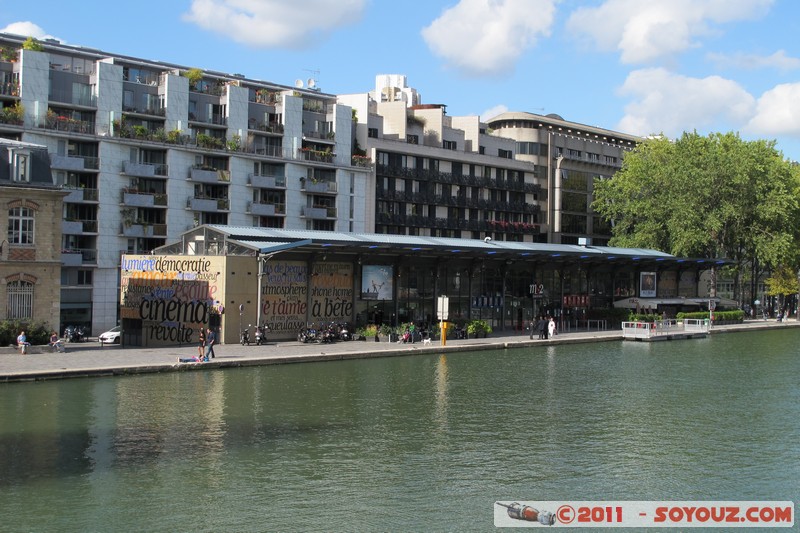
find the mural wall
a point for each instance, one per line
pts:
(171, 296)
(291, 296)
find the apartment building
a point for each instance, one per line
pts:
(444, 176)
(147, 149)
(574, 157)
(30, 251)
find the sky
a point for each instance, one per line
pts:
(642, 67)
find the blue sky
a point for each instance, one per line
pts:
(637, 66)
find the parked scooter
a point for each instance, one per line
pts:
(244, 338)
(261, 335)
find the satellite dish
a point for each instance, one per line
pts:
(311, 83)
(298, 83)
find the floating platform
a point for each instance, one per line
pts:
(665, 330)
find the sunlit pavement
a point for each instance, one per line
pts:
(92, 359)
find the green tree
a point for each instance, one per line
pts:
(708, 197)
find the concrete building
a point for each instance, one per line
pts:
(30, 251)
(574, 156)
(148, 149)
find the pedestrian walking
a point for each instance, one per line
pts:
(551, 328)
(211, 339)
(542, 325)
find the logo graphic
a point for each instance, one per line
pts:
(518, 511)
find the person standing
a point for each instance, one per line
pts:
(211, 339)
(201, 348)
(551, 328)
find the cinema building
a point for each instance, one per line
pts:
(229, 277)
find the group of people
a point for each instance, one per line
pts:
(55, 343)
(205, 350)
(546, 326)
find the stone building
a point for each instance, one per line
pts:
(30, 251)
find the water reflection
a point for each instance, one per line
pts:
(440, 381)
(381, 444)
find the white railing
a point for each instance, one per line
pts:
(646, 330)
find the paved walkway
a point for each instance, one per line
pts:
(91, 359)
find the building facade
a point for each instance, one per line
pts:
(147, 149)
(229, 278)
(30, 251)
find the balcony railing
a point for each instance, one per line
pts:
(141, 229)
(69, 125)
(209, 175)
(152, 111)
(80, 195)
(74, 162)
(78, 256)
(265, 209)
(318, 187)
(68, 97)
(361, 161)
(315, 155)
(136, 198)
(9, 88)
(78, 227)
(267, 182)
(318, 212)
(200, 203)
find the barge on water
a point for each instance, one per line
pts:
(666, 330)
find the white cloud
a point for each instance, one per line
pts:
(777, 112)
(643, 32)
(493, 112)
(27, 29)
(486, 37)
(274, 23)
(779, 60)
(671, 104)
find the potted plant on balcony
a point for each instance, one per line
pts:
(194, 75)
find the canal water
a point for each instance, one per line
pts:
(418, 443)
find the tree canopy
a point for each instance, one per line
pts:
(709, 197)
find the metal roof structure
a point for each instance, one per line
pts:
(270, 240)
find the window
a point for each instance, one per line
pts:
(506, 154)
(412, 139)
(449, 145)
(20, 225)
(20, 299)
(21, 168)
(372, 132)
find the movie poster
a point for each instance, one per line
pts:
(647, 284)
(376, 282)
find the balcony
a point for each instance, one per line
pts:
(265, 210)
(361, 161)
(135, 198)
(144, 170)
(209, 175)
(318, 187)
(78, 227)
(317, 156)
(74, 162)
(80, 195)
(143, 230)
(207, 204)
(71, 258)
(318, 212)
(267, 182)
